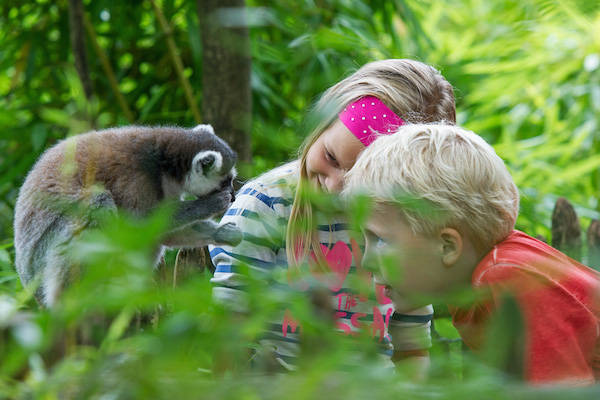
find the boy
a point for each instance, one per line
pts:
(445, 208)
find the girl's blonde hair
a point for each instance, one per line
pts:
(440, 176)
(415, 91)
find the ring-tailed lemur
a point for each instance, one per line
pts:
(132, 169)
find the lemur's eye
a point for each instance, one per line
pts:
(209, 159)
(207, 162)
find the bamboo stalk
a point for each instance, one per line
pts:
(176, 60)
(182, 266)
(20, 65)
(25, 51)
(107, 69)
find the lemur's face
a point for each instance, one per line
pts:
(209, 173)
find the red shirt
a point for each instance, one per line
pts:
(559, 301)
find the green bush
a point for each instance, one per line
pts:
(527, 78)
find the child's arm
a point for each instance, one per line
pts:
(560, 330)
(411, 337)
(254, 213)
(257, 215)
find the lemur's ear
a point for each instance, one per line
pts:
(206, 161)
(205, 128)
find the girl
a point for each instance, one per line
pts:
(377, 98)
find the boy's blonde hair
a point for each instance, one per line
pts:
(415, 91)
(440, 176)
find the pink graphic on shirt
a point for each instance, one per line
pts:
(351, 302)
(339, 260)
(362, 273)
(340, 324)
(347, 301)
(378, 323)
(354, 319)
(380, 295)
(288, 320)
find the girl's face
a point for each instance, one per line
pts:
(331, 156)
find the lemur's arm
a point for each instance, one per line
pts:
(192, 227)
(202, 233)
(202, 208)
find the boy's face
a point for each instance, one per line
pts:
(410, 263)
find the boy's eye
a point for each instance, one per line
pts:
(380, 244)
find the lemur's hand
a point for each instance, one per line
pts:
(228, 234)
(204, 207)
(217, 202)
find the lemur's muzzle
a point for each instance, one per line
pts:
(228, 183)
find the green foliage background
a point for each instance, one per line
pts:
(527, 78)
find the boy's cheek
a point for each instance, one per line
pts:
(391, 270)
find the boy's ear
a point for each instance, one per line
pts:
(452, 246)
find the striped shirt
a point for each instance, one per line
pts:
(261, 210)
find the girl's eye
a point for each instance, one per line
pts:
(330, 158)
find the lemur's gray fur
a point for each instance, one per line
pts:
(133, 169)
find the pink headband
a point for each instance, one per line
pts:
(368, 117)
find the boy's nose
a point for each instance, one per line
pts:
(369, 260)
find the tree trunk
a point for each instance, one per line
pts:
(226, 95)
(78, 45)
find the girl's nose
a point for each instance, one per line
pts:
(334, 182)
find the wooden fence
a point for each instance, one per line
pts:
(567, 232)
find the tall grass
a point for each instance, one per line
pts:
(527, 78)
